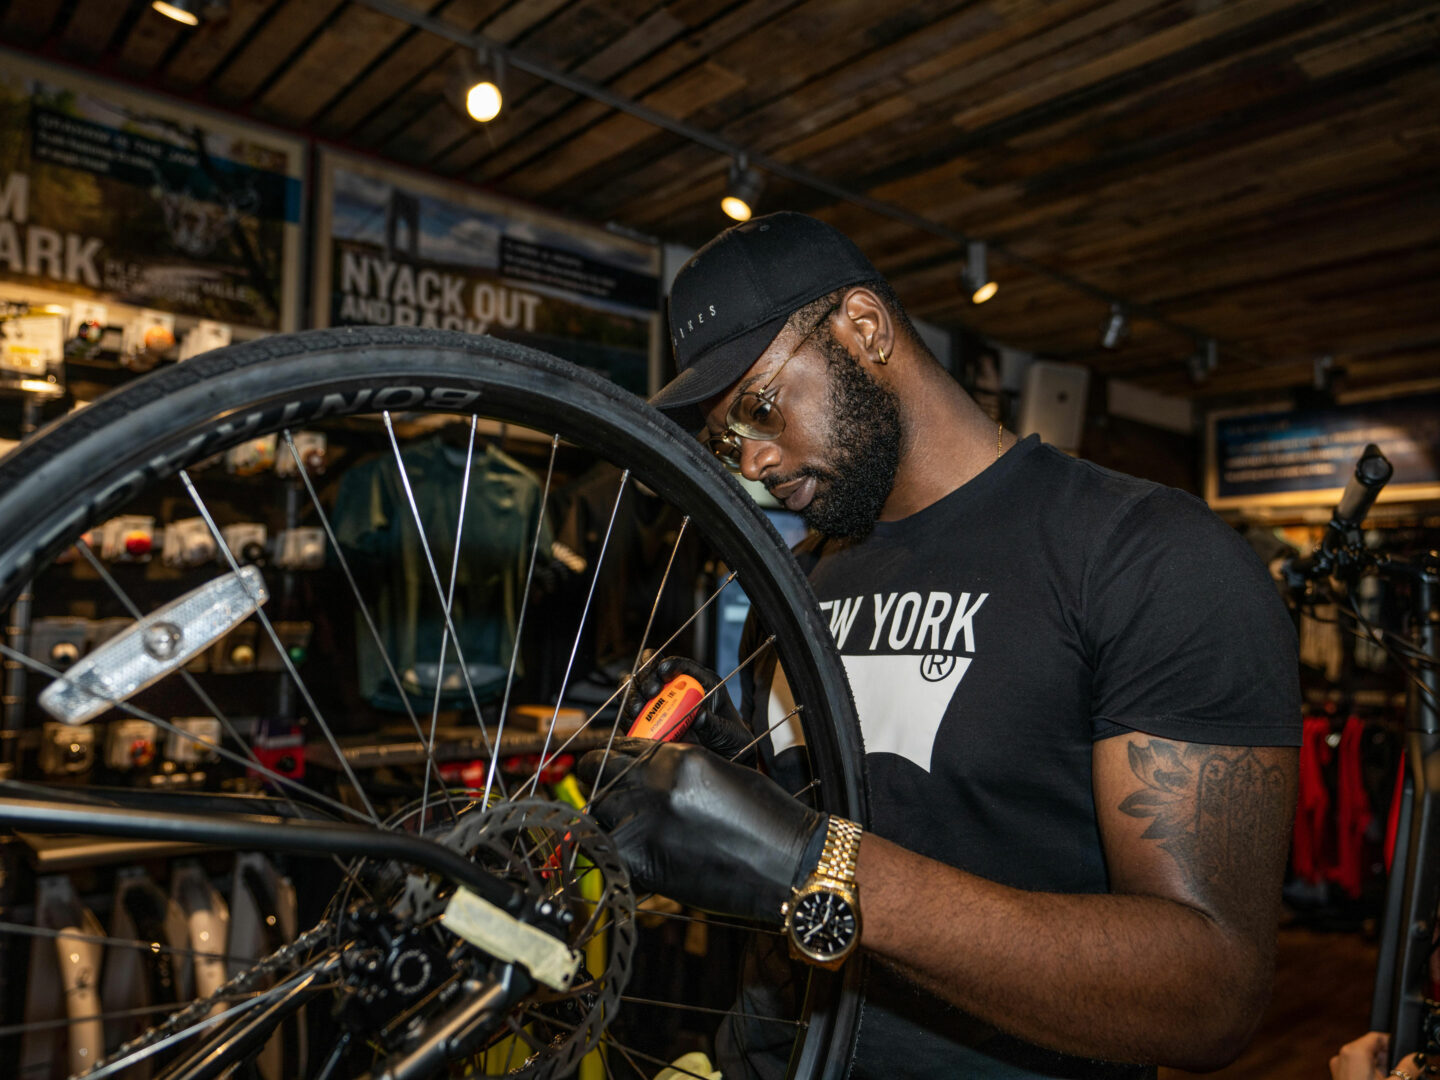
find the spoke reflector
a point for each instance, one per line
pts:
(156, 645)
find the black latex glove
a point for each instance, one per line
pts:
(717, 726)
(705, 831)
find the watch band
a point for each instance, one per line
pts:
(841, 850)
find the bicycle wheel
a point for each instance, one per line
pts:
(137, 448)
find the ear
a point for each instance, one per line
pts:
(866, 327)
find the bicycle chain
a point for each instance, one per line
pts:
(196, 1010)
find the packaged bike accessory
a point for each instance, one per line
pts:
(59, 640)
(130, 744)
(128, 538)
(246, 540)
(188, 542)
(66, 751)
(300, 549)
(193, 747)
(252, 457)
(310, 445)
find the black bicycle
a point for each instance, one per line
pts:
(1401, 1004)
(479, 921)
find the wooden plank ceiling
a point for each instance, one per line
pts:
(1264, 171)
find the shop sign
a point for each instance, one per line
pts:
(1305, 457)
(115, 195)
(395, 248)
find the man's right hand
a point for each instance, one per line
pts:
(717, 725)
(1365, 1057)
(706, 832)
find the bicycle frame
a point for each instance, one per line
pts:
(1412, 895)
(1399, 1005)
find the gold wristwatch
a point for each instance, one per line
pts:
(822, 918)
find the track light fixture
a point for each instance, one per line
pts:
(479, 85)
(1116, 329)
(976, 279)
(189, 12)
(742, 191)
(1204, 361)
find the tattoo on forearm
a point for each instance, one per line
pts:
(1218, 811)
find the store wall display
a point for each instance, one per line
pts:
(110, 194)
(394, 248)
(1274, 458)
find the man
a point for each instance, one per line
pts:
(1078, 690)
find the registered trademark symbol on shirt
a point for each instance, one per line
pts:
(936, 666)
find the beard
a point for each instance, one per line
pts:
(857, 473)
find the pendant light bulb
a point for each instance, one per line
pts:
(483, 97)
(483, 101)
(742, 192)
(182, 11)
(976, 279)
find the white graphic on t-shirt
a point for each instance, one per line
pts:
(902, 699)
(842, 616)
(901, 695)
(917, 622)
(782, 704)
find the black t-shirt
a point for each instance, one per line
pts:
(990, 640)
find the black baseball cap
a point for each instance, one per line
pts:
(736, 293)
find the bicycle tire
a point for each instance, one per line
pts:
(76, 471)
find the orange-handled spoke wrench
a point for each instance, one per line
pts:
(670, 712)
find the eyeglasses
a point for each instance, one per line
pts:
(755, 413)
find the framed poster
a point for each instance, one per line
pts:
(395, 248)
(110, 194)
(1295, 458)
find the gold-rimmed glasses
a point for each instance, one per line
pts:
(755, 414)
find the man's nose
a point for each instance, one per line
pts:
(758, 457)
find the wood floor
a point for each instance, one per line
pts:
(1322, 999)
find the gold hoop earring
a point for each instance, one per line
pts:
(882, 354)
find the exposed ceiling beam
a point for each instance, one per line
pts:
(721, 145)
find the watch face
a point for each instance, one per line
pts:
(823, 924)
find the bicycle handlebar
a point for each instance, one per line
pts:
(1338, 550)
(1372, 472)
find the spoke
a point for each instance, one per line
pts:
(678, 916)
(360, 603)
(509, 1056)
(124, 943)
(520, 620)
(283, 652)
(166, 725)
(335, 1056)
(123, 1014)
(784, 719)
(713, 1012)
(112, 1067)
(519, 1031)
(435, 578)
(580, 630)
(640, 652)
(624, 685)
(449, 602)
(803, 790)
(599, 1052)
(592, 924)
(600, 793)
(610, 1040)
